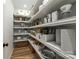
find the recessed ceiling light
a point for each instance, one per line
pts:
(25, 6)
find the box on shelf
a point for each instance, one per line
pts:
(54, 16)
(49, 18)
(68, 40)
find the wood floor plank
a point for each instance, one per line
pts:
(24, 52)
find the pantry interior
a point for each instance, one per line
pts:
(49, 29)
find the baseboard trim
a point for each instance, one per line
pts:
(11, 54)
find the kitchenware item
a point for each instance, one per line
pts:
(66, 8)
(45, 20)
(48, 53)
(22, 24)
(18, 38)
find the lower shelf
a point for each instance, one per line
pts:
(56, 48)
(36, 49)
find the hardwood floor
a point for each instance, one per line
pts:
(24, 52)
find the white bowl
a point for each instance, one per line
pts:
(66, 8)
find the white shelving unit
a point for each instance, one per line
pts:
(51, 6)
(53, 46)
(20, 30)
(66, 21)
(36, 49)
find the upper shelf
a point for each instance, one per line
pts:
(35, 6)
(51, 6)
(66, 21)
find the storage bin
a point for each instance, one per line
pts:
(47, 37)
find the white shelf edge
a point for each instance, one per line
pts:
(20, 34)
(21, 15)
(53, 47)
(36, 5)
(70, 20)
(20, 21)
(36, 49)
(19, 40)
(20, 27)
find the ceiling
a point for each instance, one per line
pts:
(19, 4)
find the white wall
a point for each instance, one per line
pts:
(7, 28)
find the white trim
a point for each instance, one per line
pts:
(11, 54)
